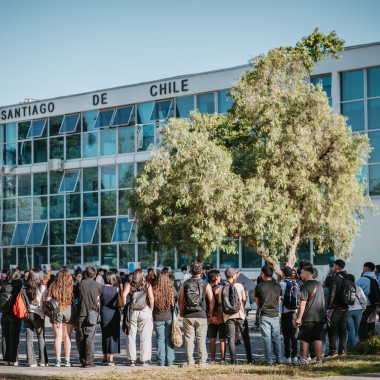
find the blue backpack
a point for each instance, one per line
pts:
(291, 299)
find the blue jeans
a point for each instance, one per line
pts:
(353, 323)
(270, 331)
(165, 349)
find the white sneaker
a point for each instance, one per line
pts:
(287, 361)
(15, 364)
(295, 361)
(303, 361)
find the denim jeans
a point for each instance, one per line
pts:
(165, 348)
(270, 331)
(353, 323)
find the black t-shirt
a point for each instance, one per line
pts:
(271, 292)
(197, 314)
(314, 310)
(88, 291)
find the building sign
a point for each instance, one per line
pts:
(32, 111)
(168, 88)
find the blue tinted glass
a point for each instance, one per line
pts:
(374, 114)
(108, 177)
(40, 208)
(104, 119)
(144, 110)
(90, 204)
(89, 119)
(108, 142)
(373, 81)
(10, 132)
(9, 154)
(374, 179)
(36, 128)
(355, 113)
(69, 181)
(90, 144)
(37, 233)
(122, 116)
(20, 234)
(86, 231)
(374, 140)
(352, 85)
(184, 106)
(9, 210)
(145, 137)
(205, 103)
(161, 110)
(69, 124)
(325, 81)
(122, 230)
(362, 175)
(126, 175)
(224, 101)
(57, 207)
(126, 140)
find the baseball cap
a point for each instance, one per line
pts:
(229, 272)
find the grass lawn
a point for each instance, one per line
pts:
(337, 366)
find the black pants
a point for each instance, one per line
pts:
(38, 325)
(338, 320)
(365, 328)
(288, 332)
(242, 324)
(85, 338)
(10, 327)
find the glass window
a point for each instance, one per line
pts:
(373, 81)
(9, 186)
(90, 204)
(73, 149)
(183, 259)
(72, 228)
(374, 114)
(73, 206)
(325, 258)
(24, 208)
(109, 255)
(86, 231)
(206, 103)
(250, 257)
(25, 153)
(36, 128)
(161, 110)
(57, 148)
(126, 140)
(108, 177)
(24, 185)
(224, 101)
(165, 257)
(57, 232)
(374, 139)
(55, 125)
(24, 258)
(145, 137)
(40, 151)
(40, 183)
(9, 154)
(352, 85)
(104, 119)
(108, 142)
(40, 208)
(89, 119)
(122, 230)
(325, 81)
(23, 129)
(40, 256)
(7, 231)
(144, 110)
(21, 233)
(69, 123)
(55, 181)
(184, 106)
(91, 255)
(57, 255)
(303, 252)
(73, 256)
(69, 181)
(9, 132)
(90, 179)
(374, 179)
(9, 257)
(126, 255)
(123, 202)
(126, 175)
(57, 204)
(140, 167)
(107, 227)
(355, 113)
(144, 257)
(90, 144)
(229, 260)
(37, 233)
(108, 203)
(160, 134)
(122, 116)
(9, 210)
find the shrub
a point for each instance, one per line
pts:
(371, 346)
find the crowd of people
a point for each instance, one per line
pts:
(305, 311)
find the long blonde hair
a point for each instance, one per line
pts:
(62, 289)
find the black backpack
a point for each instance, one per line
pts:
(52, 310)
(230, 299)
(194, 295)
(348, 291)
(291, 299)
(374, 292)
(5, 302)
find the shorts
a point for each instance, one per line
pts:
(310, 331)
(214, 328)
(67, 316)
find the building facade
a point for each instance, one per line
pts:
(68, 163)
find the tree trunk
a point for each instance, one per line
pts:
(291, 254)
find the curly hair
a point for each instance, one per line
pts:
(163, 292)
(62, 289)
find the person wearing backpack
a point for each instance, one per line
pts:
(289, 305)
(141, 309)
(10, 324)
(337, 309)
(268, 297)
(370, 286)
(192, 306)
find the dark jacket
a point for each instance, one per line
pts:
(13, 288)
(336, 291)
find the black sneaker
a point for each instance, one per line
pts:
(237, 342)
(91, 365)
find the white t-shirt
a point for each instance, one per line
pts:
(37, 305)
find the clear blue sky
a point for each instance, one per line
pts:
(52, 48)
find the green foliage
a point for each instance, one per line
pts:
(371, 346)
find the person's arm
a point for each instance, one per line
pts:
(301, 312)
(362, 298)
(332, 293)
(125, 293)
(243, 297)
(211, 299)
(150, 297)
(181, 301)
(257, 296)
